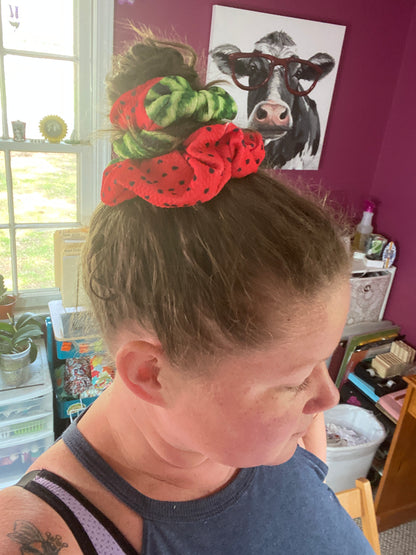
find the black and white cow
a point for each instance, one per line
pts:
(289, 123)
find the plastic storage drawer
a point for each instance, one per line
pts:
(30, 407)
(26, 421)
(16, 456)
(20, 427)
(33, 397)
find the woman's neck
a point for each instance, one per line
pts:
(129, 442)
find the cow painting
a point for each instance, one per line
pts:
(278, 102)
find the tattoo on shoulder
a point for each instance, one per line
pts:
(33, 542)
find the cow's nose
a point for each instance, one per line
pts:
(272, 114)
(263, 114)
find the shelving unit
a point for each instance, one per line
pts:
(26, 421)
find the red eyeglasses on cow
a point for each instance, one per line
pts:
(259, 68)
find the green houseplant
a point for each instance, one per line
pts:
(17, 347)
(7, 302)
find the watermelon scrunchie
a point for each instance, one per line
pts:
(163, 101)
(145, 111)
(210, 157)
(138, 143)
(161, 168)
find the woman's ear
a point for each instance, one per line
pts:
(138, 364)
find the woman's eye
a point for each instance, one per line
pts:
(304, 385)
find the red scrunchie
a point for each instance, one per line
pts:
(212, 155)
(128, 110)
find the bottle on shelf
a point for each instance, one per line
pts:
(364, 228)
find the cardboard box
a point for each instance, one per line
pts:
(68, 245)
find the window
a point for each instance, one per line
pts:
(54, 55)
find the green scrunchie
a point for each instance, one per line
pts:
(143, 112)
(173, 98)
(138, 144)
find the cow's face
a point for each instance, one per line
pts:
(270, 103)
(269, 108)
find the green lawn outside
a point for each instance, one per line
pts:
(44, 190)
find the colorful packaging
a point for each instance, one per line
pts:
(102, 372)
(77, 376)
(389, 255)
(375, 246)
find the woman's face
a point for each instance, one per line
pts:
(251, 408)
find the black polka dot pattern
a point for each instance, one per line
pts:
(185, 178)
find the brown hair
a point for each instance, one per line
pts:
(205, 276)
(150, 58)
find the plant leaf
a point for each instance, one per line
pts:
(5, 327)
(29, 318)
(33, 353)
(6, 345)
(26, 332)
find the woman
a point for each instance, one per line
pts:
(220, 294)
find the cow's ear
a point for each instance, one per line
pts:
(220, 56)
(324, 61)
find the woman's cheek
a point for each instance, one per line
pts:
(280, 400)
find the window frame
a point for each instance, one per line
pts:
(93, 50)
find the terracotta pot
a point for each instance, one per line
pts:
(15, 369)
(7, 307)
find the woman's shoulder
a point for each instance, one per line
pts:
(61, 468)
(27, 523)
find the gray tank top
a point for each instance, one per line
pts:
(284, 510)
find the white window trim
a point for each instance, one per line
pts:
(97, 19)
(100, 24)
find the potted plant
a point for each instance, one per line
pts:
(7, 302)
(18, 348)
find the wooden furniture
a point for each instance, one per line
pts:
(395, 502)
(358, 502)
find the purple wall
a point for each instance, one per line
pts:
(370, 134)
(394, 185)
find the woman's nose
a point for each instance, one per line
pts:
(324, 394)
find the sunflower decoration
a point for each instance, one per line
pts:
(53, 128)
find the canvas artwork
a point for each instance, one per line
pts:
(281, 71)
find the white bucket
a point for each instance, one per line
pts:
(346, 464)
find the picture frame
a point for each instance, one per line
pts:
(293, 125)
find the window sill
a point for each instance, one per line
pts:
(36, 301)
(34, 145)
